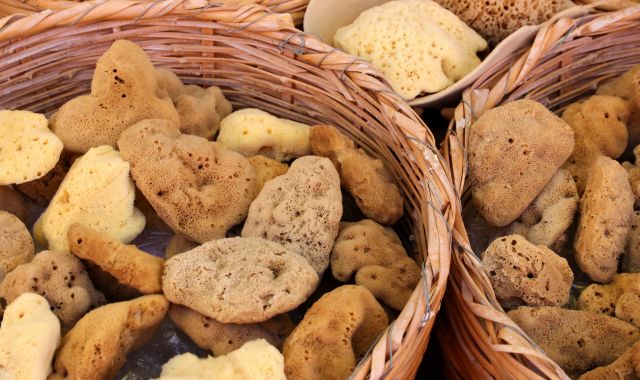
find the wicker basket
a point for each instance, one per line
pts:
(294, 7)
(566, 61)
(259, 60)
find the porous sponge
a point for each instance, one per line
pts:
(417, 44)
(255, 360)
(29, 149)
(96, 192)
(251, 132)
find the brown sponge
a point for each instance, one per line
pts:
(334, 335)
(16, 245)
(618, 298)
(222, 338)
(626, 367)
(12, 202)
(123, 92)
(197, 187)
(266, 169)
(577, 340)
(514, 151)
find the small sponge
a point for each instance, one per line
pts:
(29, 149)
(252, 132)
(417, 44)
(96, 192)
(16, 245)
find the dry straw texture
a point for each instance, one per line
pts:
(565, 62)
(259, 60)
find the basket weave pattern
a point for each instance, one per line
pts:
(565, 62)
(259, 60)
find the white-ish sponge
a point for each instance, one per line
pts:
(251, 132)
(255, 360)
(29, 335)
(28, 149)
(418, 45)
(98, 193)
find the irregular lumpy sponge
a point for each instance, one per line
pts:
(28, 149)
(96, 192)
(418, 45)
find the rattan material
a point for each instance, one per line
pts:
(565, 62)
(259, 60)
(294, 7)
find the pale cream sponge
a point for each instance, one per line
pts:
(96, 192)
(418, 45)
(29, 150)
(29, 335)
(251, 132)
(255, 360)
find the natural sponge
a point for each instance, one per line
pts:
(625, 367)
(599, 125)
(199, 188)
(129, 265)
(417, 44)
(200, 110)
(605, 220)
(496, 19)
(16, 245)
(96, 192)
(97, 345)
(239, 280)
(12, 202)
(334, 335)
(123, 92)
(366, 178)
(630, 260)
(222, 338)
(577, 340)
(514, 151)
(59, 277)
(252, 131)
(614, 298)
(29, 336)
(266, 169)
(301, 210)
(29, 149)
(549, 216)
(391, 284)
(42, 190)
(522, 273)
(255, 360)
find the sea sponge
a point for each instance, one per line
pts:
(59, 277)
(239, 280)
(200, 110)
(496, 19)
(522, 273)
(266, 170)
(12, 202)
(29, 336)
(634, 174)
(300, 210)
(97, 345)
(599, 125)
(618, 298)
(178, 244)
(109, 285)
(627, 87)
(254, 132)
(199, 188)
(577, 340)
(96, 192)
(334, 335)
(366, 178)
(514, 151)
(123, 92)
(417, 44)
(391, 284)
(129, 265)
(625, 367)
(605, 220)
(549, 216)
(253, 361)
(16, 245)
(29, 149)
(630, 259)
(223, 338)
(42, 190)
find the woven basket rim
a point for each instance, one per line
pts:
(399, 350)
(489, 344)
